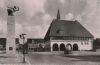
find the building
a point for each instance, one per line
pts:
(65, 34)
(3, 42)
(96, 43)
(35, 44)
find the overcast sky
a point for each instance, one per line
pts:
(35, 16)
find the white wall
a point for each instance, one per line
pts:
(81, 46)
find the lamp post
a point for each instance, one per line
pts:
(22, 36)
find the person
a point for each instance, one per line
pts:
(67, 50)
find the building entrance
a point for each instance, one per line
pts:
(55, 47)
(62, 47)
(75, 47)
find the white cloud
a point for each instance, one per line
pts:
(62, 1)
(91, 22)
(33, 31)
(2, 4)
(18, 29)
(47, 18)
(39, 30)
(78, 18)
(33, 7)
(69, 16)
(29, 8)
(1, 26)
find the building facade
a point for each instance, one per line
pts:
(96, 43)
(35, 44)
(65, 34)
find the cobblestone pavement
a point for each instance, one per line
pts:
(17, 59)
(59, 59)
(48, 58)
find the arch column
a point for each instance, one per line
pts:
(58, 46)
(51, 47)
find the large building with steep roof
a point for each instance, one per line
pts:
(64, 34)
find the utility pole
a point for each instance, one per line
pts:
(22, 36)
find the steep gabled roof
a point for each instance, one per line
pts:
(67, 28)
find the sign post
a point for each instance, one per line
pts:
(22, 36)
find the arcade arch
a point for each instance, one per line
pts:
(69, 46)
(75, 47)
(62, 47)
(55, 47)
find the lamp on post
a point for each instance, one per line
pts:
(22, 36)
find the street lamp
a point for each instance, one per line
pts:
(22, 36)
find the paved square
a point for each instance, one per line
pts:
(58, 59)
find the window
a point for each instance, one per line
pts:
(10, 48)
(60, 31)
(86, 43)
(81, 43)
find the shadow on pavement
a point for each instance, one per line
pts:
(92, 58)
(3, 57)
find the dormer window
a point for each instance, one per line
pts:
(59, 31)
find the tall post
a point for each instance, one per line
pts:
(22, 36)
(11, 46)
(24, 49)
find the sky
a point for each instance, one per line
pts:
(34, 16)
